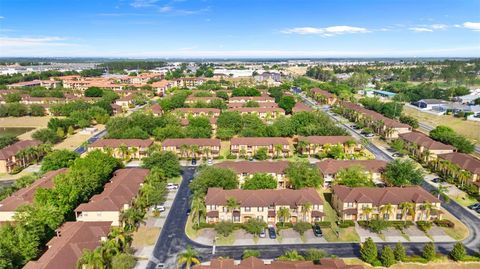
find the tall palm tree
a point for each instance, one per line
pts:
(283, 215)
(306, 207)
(130, 218)
(134, 151)
(441, 190)
(123, 150)
(91, 259)
(183, 150)
(408, 208)
(232, 204)
(198, 208)
(367, 211)
(121, 238)
(302, 146)
(278, 149)
(187, 258)
(427, 209)
(387, 209)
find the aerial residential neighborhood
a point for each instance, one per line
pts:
(248, 134)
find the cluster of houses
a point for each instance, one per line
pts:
(94, 219)
(15, 156)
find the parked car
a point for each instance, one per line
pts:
(437, 180)
(160, 266)
(194, 161)
(188, 211)
(172, 186)
(317, 231)
(262, 234)
(396, 154)
(271, 233)
(160, 208)
(474, 206)
(369, 135)
(478, 210)
(210, 162)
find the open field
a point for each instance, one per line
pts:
(77, 139)
(469, 129)
(441, 263)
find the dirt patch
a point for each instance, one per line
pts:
(145, 236)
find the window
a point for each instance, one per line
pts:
(248, 209)
(259, 217)
(399, 216)
(386, 216)
(260, 209)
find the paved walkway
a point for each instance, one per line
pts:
(410, 234)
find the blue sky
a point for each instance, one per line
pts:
(240, 28)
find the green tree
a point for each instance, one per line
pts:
(368, 251)
(211, 177)
(93, 92)
(91, 259)
(354, 176)
(37, 110)
(458, 252)
(291, 255)
(403, 173)
(303, 175)
(399, 252)
(283, 215)
(287, 103)
(167, 160)
(449, 136)
(247, 253)
(71, 130)
(188, 257)
(123, 261)
(409, 120)
(261, 154)
(301, 227)
(260, 181)
(387, 258)
(46, 136)
(429, 252)
(224, 228)
(315, 255)
(58, 159)
(254, 226)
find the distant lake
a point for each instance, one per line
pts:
(16, 131)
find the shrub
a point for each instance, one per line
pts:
(363, 223)
(254, 226)
(424, 225)
(368, 251)
(429, 251)
(284, 225)
(250, 253)
(399, 252)
(377, 226)
(458, 252)
(444, 223)
(346, 223)
(324, 224)
(224, 228)
(313, 254)
(387, 258)
(301, 227)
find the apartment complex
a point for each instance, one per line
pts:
(67, 246)
(312, 145)
(193, 147)
(323, 96)
(123, 148)
(301, 107)
(466, 167)
(24, 196)
(423, 147)
(256, 263)
(117, 196)
(389, 203)
(265, 113)
(329, 168)
(11, 156)
(246, 169)
(248, 146)
(302, 205)
(186, 112)
(244, 99)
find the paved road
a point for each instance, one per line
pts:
(83, 148)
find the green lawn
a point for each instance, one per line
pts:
(459, 232)
(464, 199)
(226, 241)
(189, 231)
(176, 180)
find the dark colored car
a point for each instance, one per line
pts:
(271, 233)
(317, 231)
(474, 206)
(188, 211)
(437, 180)
(194, 161)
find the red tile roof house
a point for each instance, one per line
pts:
(464, 162)
(156, 109)
(260, 104)
(116, 109)
(246, 169)
(123, 148)
(301, 107)
(193, 147)
(67, 246)
(161, 87)
(256, 263)
(186, 112)
(385, 203)
(248, 146)
(117, 196)
(423, 147)
(244, 99)
(266, 113)
(125, 102)
(312, 145)
(213, 123)
(323, 96)
(9, 205)
(9, 162)
(263, 205)
(329, 168)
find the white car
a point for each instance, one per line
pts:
(210, 162)
(160, 208)
(172, 186)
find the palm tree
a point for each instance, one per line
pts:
(91, 259)
(283, 215)
(188, 258)
(198, 208)
(232, 204)
(427, 209)
(291, 255)
(306, 207)
(441, 190)
(134, 151)
(367, 211)
(387, 209)
(121, 238)
(123, 150)
(407, 208)
(302, 146)
(183, 150)
(278, 149)
(130, 218)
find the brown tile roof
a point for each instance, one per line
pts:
(322, 92)
(376, 116)
(260, 104)
(26, 195)
(115, 143)
(218, 196)
(196, 110)
(330, 166)
(257, 109)
(251, 98)
(381, 196)
(121, 189)
(256, 263)
(259, 141)
(64, 250)
(464, 161)
(322, 140)
(202, 98)
(13, 149)
(174, 142)
(425, 141)
(156, 109)
(255, 167)
(299, 107)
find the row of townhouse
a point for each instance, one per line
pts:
(12, 156)
(256, 263)
(312, 145)
(185, 112)
(50, 84)
(246, 169)
(249, 146)
(245, 99)
(201, 99)
(423, 147)
(390, 203)
(260, 104)
(122, 148)
(93, 221)
(329, 168)
(381, 125)
(264, 113)
(322, 96)
(193, 147)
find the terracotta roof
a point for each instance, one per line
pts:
(376, 116)
(26, 195)
(202, 98)
(185, 122)
(218, 196)
(173, 142)
(115, 143)
(257, 109)
(251, 98)
(67, 247)
(260, 104)
(256, 263)
(196, 110)
(13, 149)
(322, 140)
(330, 166)
(425, 141)
(322, 92)
(259, 141)
(299, 107)
(381, 196)
(121, 189)
(156, 109)
(464, 161)
(255, 167)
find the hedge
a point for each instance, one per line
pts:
(346, 223)
(324, 224)
(444, 223)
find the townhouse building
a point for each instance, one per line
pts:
(67, 246)
(161, 87)
(193, 147)
(464, 168)
(248, 146)
(156, 109)
(260, 104)
(11, 157)
(301, 107)
(246, 169)
(329, 168)
(323, 96)
(189, 82)
(123, 148)
(212, 120)
(256, 263)
(25, 196)
(117, 196)
(50, 84)
(185, 112)
(244, 99)
(423, 147)
(125, 102)
(302, 205)
(389, 203)
(265, 113)
(312, 145)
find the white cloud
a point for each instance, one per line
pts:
(143, 3)
(439, 26)
(1, 17)
(33, 41)
(328, 31)
(165, 9)
(420, 29)
(472, 25)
